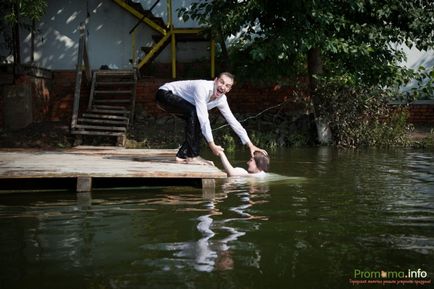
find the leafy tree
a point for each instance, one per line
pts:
(19, 14)
(353, 42)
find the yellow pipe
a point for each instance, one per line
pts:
(212, 56)
(169, 13)
(154, 50)
(139, 15)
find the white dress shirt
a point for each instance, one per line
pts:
(198, 93)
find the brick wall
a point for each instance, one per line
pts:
(422, 112)
(52, 95)
(62, 95)
(39, 91)
(244, 98)
(53, 98)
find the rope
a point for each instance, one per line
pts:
(256, 115)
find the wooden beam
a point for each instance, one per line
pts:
(78, 74)
(208, 186)
(84, 184)
(84, 199)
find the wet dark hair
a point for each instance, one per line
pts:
(262, 161)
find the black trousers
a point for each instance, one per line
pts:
(180, 107)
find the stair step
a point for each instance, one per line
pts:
(100, 83)
(111, 111)
(108, 107)
(115, 72)
(111, 100)
(102, 121)
(100, 127)
(103, 133)
(104, 116)
(113, 91)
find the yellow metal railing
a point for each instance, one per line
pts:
(168, 32)
(139, 15)
(154, 49)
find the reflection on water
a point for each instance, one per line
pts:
(319, 216)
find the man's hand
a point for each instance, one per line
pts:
(216, 149)
(254, 148)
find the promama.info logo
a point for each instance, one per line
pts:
(410, 276)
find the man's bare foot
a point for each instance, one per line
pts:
(200, 161)
(180, 160)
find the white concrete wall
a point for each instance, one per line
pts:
(109, 41)
(417, 59)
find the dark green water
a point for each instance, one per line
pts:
(323, 216)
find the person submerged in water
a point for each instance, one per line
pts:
(257, 166)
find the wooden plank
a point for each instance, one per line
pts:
(105, 116)
(103, 133)
(113, 91)
(125, 164)
(92, 91)
(102, 121)
(100, 127)
(108, 107)
(111, 101)
(117, 151)
(115, 72)
(103, 83)
(133, 98)
(113, 111)
(87, 69)
(78, 74)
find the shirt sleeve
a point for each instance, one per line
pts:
(200, 98)
(233, 122)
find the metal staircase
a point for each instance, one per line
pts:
(111, 105)
(166, 33)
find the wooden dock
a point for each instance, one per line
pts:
(86, 164)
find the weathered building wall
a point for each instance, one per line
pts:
(54, 99)
(422, 112)
(50, 96)
(109, 40)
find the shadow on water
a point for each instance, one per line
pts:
(319, 219)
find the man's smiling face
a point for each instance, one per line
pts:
(222, 85)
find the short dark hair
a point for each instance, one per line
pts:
(227, 74)
(262, 161)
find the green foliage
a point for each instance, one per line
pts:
(269, 40)
(271, 130)
(360, 43)
(20, 11)
(227, 141)
(360, 115)
(429, 141)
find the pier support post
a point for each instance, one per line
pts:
(84, 200)
(208, 186)
(84, 184)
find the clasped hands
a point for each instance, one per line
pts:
(216, 149)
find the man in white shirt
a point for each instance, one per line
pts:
(191, 100)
